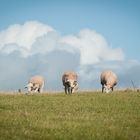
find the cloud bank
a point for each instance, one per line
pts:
(36, 48)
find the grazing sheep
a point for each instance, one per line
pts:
(35, 84)
(108, 81)
(69, 80)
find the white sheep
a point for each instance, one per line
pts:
(69, 80)
(108, 80)
(35, 84)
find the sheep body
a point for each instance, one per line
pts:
(108, 80)
(35, 84)
(69, 80)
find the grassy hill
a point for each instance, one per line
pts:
(82, 116)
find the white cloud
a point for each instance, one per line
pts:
(46, 43)
(35, 37)
(93, 47)
(23, 36)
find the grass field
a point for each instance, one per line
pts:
(83, 116)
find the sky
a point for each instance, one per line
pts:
(49, 37)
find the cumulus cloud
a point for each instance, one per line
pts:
(36, 48)
(93, 47)
(22, 36)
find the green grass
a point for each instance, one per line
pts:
(86, 116)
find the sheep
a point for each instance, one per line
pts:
(69, 80)
(108, 80)
(35, 84)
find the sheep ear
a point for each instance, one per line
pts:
(29, 85)
(26, 86)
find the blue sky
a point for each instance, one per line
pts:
(116, 21)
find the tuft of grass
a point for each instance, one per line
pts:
(81, 116)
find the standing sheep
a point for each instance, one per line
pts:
(69, 80)
(108, 80)
(35, 84)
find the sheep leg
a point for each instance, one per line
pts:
(39, 90)
(102, 89)
(72, 90)
(69, 90)
(112, 88)
(66, 89)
